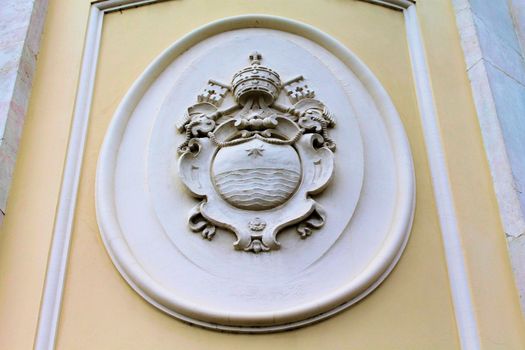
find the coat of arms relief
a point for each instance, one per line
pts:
(256, 165)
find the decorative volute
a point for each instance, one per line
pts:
(265, 160)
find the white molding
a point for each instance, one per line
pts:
(400, 5)
(109, 6)
(457, 269)
(57, 263)
(53, 290)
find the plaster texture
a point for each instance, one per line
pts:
(492, 39)
(21, 24)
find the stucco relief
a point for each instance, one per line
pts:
(203, 153)
(257, 163)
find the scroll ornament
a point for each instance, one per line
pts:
(256, 164)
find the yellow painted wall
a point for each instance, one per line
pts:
(98, 300)
(494, 292)
(26, 233)
(412, 309)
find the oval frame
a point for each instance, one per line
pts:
(330, 304)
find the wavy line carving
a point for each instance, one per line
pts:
(257, 189)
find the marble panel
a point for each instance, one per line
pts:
(509, 97)
(498, 53)
(21, 24)
(495, 14)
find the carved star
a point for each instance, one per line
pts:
(255, 152)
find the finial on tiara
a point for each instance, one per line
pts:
(255, 58)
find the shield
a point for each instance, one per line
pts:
(256, 165)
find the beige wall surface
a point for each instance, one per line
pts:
(492, 284)
(412, 309)
(25, 235)
(98, 303)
